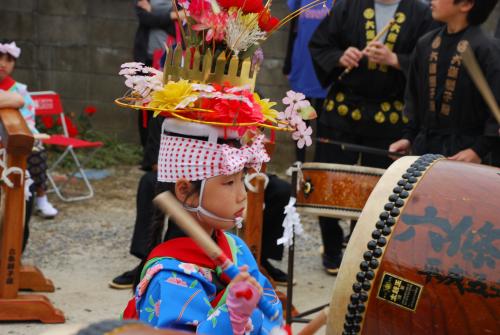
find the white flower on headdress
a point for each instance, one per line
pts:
(242, 31)
(290, 116)
(142, 79)
(202, 87)
(296, 100)
(302, 135)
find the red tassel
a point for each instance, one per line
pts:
(247, 294)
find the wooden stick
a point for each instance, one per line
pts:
(376, 38)
(315, 324)
(479, 80)
(41, 136)
(167, 202)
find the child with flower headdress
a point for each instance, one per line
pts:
(37, 161)
(212, 133)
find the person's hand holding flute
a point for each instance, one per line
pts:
(375, 51)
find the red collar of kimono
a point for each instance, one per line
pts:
(186, 250)
(7, 83)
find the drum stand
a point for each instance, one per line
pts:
(300, 317)
(17, 140)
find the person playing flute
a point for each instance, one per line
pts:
(361, 53)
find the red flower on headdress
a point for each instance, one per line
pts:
(267, 22)
(90, 110)
(199, 7)
(248, 6)
(231, 111)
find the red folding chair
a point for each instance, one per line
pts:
(49, 104)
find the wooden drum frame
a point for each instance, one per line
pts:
(422, 258)
(335, 190)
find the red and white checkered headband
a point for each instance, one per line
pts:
(193, 159)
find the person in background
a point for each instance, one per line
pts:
(37, 161)
(299, 68)
(447, 113)
(364, 106)
(156, 26)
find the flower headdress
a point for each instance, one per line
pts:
(211, 80)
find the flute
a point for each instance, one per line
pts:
(376, 38)
(169, 204)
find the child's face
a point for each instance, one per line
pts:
(224, 196)
(6, 65)
(446, 10)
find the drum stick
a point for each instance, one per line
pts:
(169, 204)
(315, 324)
(360, 148)
(479, 80)
(376, 38)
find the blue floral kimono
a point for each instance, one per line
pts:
(181, 288)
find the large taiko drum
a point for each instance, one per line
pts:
(335, 190)
(422, 258)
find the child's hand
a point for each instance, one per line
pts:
(245, 276)
(243, 297)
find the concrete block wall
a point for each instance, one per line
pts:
(75, 48)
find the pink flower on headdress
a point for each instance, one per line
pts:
(215, 24)
(302, 135)
(290, 116)
(296, 100)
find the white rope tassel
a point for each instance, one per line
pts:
(27, 184)
(250, 177)
(291, 223)
(4, 177)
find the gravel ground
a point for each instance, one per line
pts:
(86, 245)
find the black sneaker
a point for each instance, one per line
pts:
(125, 280)
(331, 264)
(279, 277)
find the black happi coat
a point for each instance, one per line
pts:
(468, 123)
(364, 90)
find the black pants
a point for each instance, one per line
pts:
(331, 232)
(276, 198)
(141, 239)
(29, 211)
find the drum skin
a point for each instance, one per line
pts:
(434, 271)
(335, 190)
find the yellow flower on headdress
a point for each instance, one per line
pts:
(172, 94)
(267, 105)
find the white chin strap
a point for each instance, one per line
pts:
(202, 211)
